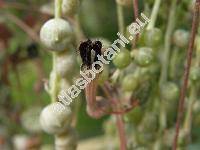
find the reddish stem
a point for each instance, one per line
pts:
(23, 26)
(92, 107)
(136, 10)
(119, 117)
(121, 130)
(195, 23)
(1, 3)
(17, 5)
(94, 111)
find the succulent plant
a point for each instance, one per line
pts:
(138, 90)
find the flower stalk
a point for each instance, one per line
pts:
(120, 122)
(188, 119)
(167, 44)
(120, 15)
(154, 14)
(54, 79)
(165, 62)
(58, 8)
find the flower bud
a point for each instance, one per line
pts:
(65, 64)
(153, 37)
(195, 74)
(30, 120)
(130, 82)
(181, 38)
(55, 118)
(196, 107)
(56, 34)
(169, 91)
(20, 141)
(144, 56)
(149, 123)
(135, 115)
(123, 59)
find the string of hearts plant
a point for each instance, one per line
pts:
(140, 91)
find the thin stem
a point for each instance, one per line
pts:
(120, 15)
(58, 8)
(173, 62)
(78, 29)
(188, 118)
(54, 75)
(167, 45)
(120, 123)
(163, 117)
(119, 118)
(165, 62)
(77, 106)
(95, 108)
(136, 9)
(195, 24)
(1, 3)
(120, 127)
(23, 26)
(20, 6)
(54, 80)
(154, 14)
